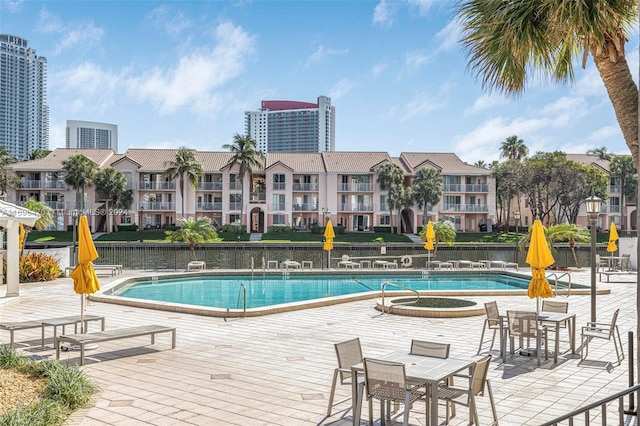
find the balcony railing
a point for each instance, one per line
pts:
(55, 184)
(153, 205)
(614, 209)
(209, 206)
(235, 186)
(157, 185)
(358, 207)
(57, 205)
(31, 184)
(279, 186)
(305, 186)
(305, 207)
(258, 197)
(210, 186)
(466, 208)
(477, 187)
(235, 206)
(355, 187)
(278, 207)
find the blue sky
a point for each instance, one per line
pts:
(183, 73)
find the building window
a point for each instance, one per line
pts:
(278, 202)
(385, 220)
(279, 219)
(279, 182)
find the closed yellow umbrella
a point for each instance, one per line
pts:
(21, 238)
(84, 276)
(329, 235)
(539, 257)
(430, 237)
(613, 237)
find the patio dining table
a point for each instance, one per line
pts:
(418, 369)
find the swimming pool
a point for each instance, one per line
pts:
(226, 291)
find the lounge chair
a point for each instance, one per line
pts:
(346, 263)
(291, 264)
(385, 264)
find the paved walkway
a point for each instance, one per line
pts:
(276, 370)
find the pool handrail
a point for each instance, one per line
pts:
(242, 290)
(384, 285)
(557, 277)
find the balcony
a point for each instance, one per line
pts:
(614, 209)
(452, 187)
(305, 186)
(57, 205)
(235, 206)
(355, 187)
(305, 207)
(258, 197)
(210, 186)
(479, 187)
(466, 208)
(278, 207)
(55, 184)
(235, 186)
(358, 207)
(153, 205)
(209, 206)
(279, 186)
(157, 185)
(31, 184)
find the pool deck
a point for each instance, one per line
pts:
(277, 369)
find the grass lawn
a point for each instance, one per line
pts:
(349, 237)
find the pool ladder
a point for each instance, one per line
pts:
(384, 286)
(242, 292)
(557, 277)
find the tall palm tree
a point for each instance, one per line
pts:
(112, 184)
(510, 41)
(482, 164)
(193, 231)
(79, 172)
(247, 157)
(185, 165)
(391, 178)
(37, 154)
(427, 189)
(513, 148)
(602, 153)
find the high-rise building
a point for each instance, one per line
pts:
(24, 113)
(292, 126)
(92, 135)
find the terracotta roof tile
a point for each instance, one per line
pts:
(447, 162)
(54, 160)
(353, 162)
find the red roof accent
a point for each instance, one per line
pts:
(282, 105)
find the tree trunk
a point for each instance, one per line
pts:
(623, 94)
(107, 215)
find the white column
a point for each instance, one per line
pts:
(13, 255)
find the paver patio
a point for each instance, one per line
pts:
(277, 369)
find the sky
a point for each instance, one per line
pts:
(182, 73)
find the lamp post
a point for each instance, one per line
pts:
(516, 216)
(140, 223)
(592, 205)
(74, 218)
(324, 215)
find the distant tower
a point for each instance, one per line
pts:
(292, 126)
(88, 134)
(24, 113)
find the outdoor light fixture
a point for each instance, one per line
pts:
(516, 216)
(140, 223)
(592, 205)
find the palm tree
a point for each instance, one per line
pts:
(37, 154)
(112, 184)
(445, 233)
(427, 189)
(44, 221)
(482, 164)
(193, 231)
(247, 157)
(508, 41)
(513, 148)
(602, 153)
(185, 165)
(79, 173)
(570, 233)
(391, 178)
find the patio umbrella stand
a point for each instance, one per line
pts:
(329, 235)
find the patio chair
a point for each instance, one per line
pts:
(387, 382)
(625, 263)
(348, 353)
(433, 349)
(553, 306)
(601, 264)
(466, 396)
(493, 321)
(347, 263)
(524, 324)
(607, 331)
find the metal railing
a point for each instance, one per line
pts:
(557, 277)
(384, 286)
(242, 291)
(600, 408)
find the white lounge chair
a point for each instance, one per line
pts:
(346, 263)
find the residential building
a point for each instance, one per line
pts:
(293, 189)
(91, 135)
(24, 113)
(293, 126)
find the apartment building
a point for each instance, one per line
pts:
(91, 135)
(293, 189)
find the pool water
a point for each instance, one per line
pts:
(225, 291)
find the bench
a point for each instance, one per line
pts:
(12, 327)
(111, 269)
(82, 340)
(609, 273)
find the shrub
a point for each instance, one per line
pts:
(280, 229)
(38, 267)
(233, 228)
(132, 227)
(382, 229)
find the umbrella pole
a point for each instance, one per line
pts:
(329, 259)
(82, 314)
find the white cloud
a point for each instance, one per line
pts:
(340, 89)
(71, 34)
(421, 104)
(423, 6)
(379, 68)
(603, 133)
(383, 13)
(11, 5)
(566, 110)
(449, 35)
(485, 102)
(415, 60)
(171, 21)
(197, 75)
(323, 52)
(87, 82)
